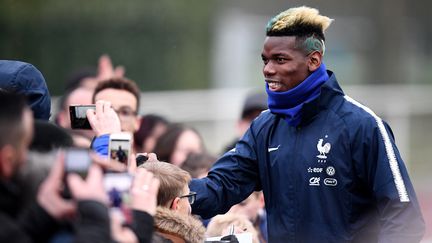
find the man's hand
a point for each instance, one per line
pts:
(90, 189)
(104, 120)
(49, 196)
(144, 191)
(106, 70)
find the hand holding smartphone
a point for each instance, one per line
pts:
(78, 161)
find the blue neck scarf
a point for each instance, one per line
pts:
(290, 103)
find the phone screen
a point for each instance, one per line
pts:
(78, 116)
(117, 186)
(120, 149)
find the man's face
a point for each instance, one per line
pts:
(17, 153)
(125, 104)
(285, 67)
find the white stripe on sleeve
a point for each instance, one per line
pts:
(397, 177)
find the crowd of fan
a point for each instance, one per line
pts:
(34, 206)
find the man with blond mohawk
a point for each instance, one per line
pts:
(328, 165)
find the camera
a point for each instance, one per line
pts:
(78, 116)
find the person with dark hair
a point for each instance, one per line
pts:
(47, 140)
(37, 222)
(124, 96)
(151, 128)
(328, 166)
(198, 164)
(177, 143)
(79, 91)
(24, 78)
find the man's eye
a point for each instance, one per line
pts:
(281, 60)
(265, 60)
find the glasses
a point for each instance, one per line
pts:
(191, 197)
(125, 111)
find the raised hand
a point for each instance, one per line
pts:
(49, 195)
(103, 120)
(144, 191)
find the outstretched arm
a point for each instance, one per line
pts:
(232, 179)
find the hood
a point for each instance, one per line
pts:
(24, 78)
(169, 222)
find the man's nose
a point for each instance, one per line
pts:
(268, 69)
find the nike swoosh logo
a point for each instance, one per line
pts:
(273, 149)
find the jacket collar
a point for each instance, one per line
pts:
(176, 227)
(328, 90)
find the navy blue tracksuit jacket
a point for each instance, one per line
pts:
(337, 177)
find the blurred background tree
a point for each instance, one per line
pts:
(163, 44)
(178, 45)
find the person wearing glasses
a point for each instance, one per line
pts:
(173, 219)
(124, 96)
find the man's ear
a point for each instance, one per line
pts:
(314, 61)
(175, 204)
(7, 157)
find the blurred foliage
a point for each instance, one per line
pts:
(163, 44)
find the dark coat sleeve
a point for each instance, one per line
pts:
(232, 179)
(93, 222)
(11, 232)
(37, 223)
(382, 168)
(142, 226)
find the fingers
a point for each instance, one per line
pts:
(154, 186)
(91, 117)
(99, 108)
(56, 173)
(105, 67)
(139, 178)
(145, 180)
(75, 182)
(144, 191)
(152, 157)
(90, 189)
(119, 72)
(107, 107)
(95, 175)
(108, 164)
(132, 164)
(105, 119)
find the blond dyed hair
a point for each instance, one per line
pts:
(305, 23)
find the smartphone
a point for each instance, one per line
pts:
(78, 116)
(120, 145)
(78, 161)
(117, 186)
